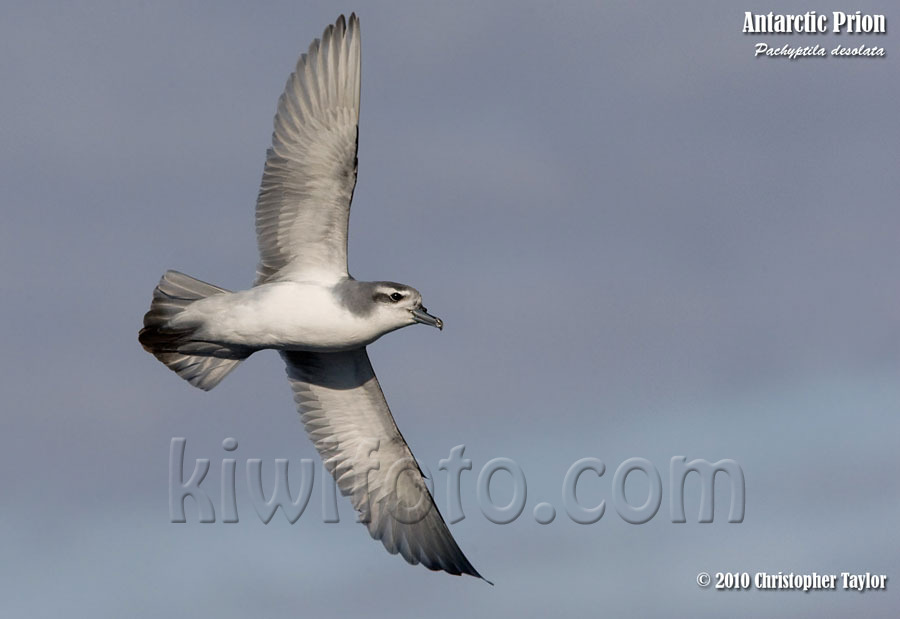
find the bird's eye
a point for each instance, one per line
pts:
(396, 296)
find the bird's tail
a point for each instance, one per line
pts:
(203, 364)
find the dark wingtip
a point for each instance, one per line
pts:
(468, 569)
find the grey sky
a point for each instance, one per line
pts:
(643, 242)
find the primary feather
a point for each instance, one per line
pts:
(304, 200)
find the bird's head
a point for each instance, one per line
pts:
(399, 305)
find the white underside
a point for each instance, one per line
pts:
(285, 316)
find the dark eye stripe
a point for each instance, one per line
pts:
(383, 297)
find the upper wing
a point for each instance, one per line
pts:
(307, 185)
(348, 420)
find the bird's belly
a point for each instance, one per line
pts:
(286, 317)
(318, 334)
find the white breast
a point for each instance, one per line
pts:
(285, 316)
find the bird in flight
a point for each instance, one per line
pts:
(305, 304)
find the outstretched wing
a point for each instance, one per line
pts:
(348, 420)
(304, 200)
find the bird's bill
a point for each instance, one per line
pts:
(422, 315)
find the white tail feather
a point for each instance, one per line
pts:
(203, 364)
